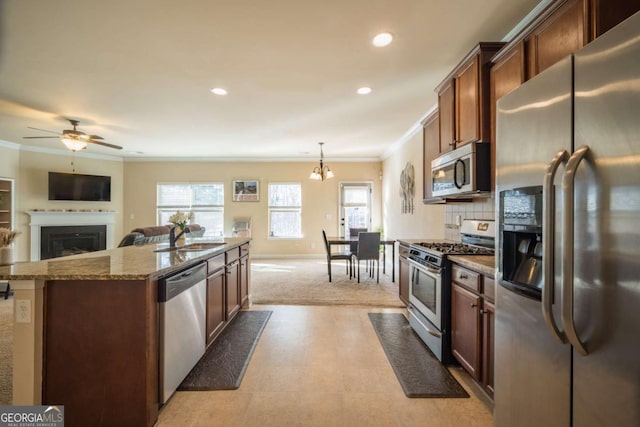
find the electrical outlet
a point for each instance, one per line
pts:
(23, 311)
(458, 220)
(313, 245)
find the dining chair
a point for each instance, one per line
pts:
(369, 250)
(353, 232)
(346, 255)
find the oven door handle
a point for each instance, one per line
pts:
(423, 268)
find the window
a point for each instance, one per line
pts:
(285, 210)
(204, 200)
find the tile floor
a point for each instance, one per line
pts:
(322, 366)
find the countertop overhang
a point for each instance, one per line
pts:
(125, 263)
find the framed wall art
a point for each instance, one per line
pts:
(246, 190)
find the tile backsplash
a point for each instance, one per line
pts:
(478, 209)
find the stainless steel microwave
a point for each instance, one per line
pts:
(463, 172)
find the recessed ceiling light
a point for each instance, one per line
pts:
(364, 90)
(382, 39)
(219, 91)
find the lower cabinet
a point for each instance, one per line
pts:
(472, 324)
(488, 322)
(232, 288)
(216, 310)
(403, 273)
(227, 288)
(245, 270)
(465, 328)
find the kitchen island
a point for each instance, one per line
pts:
(86, 327)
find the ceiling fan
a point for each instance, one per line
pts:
(74, 139)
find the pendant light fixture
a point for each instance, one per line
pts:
(322, 172)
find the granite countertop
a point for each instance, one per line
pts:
(126, 263)
(484, 264)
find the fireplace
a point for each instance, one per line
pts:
(66, 220)
(71, 240)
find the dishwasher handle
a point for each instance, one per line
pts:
(173, 285)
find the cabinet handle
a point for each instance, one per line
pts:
(473, 305)
(482, 312)
(464, 276)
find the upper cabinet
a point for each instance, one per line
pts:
(447, 120)
(463, 100)
(560, 34)
(559, 30)
(430, 150)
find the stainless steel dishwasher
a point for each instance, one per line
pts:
(182, 306)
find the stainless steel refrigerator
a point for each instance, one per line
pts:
(567, 337)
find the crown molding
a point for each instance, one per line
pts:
(11, 145)
(249, 159)
(64, 152)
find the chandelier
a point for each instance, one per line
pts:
(322, 172)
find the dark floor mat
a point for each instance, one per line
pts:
(225, 361)
(419, 372)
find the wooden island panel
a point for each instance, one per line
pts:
(101, 351)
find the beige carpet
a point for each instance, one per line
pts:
(306, 282)
(6, 350)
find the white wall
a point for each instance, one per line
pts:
(426, 221)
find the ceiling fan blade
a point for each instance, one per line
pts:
(117, 147)
(94, 137)
(43, 130)
(38, 137)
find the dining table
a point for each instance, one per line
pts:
(337, 240)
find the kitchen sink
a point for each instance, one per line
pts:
(192, 247)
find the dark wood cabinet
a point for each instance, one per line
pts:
(559, 35)
(467, 103)
(232, 290)
(446, 116)
(403, 273)
(430, 150)
(559, 30)
(216, 313)
(245, 271)
(507, 73)
(472, 323)
(465, 329)
(464, 101)
(488, 322)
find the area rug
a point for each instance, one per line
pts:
(306, 282)
(225, 361)
(419, 372)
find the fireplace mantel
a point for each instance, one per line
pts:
(44, 218)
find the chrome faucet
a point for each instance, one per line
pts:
(173, 238)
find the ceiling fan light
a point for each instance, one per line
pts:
(74, 144)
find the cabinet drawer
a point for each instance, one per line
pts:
(232, 255)
(244, 250)
(489, 288)
(467, 278)
(215, 263)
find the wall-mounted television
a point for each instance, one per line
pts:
(74, 186)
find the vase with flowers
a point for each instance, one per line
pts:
(180, 220)
(6, 251)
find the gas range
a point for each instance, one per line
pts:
(430, 283)
(433, 254)
(478, 238)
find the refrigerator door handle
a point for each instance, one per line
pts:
(568, 181)
(548, 232)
